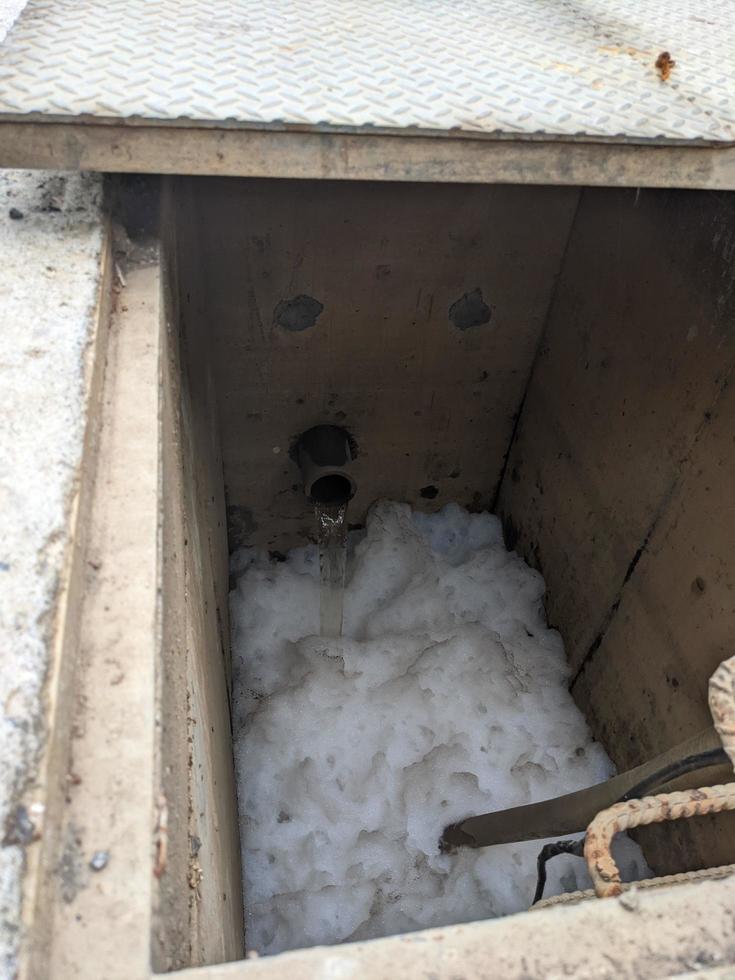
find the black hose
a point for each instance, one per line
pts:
(702, 760)
(548, 851)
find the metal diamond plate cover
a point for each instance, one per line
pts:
(520, 67)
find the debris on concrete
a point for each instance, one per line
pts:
(99, 860)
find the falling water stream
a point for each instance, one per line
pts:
(331, 522)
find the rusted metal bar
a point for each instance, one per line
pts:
(666, 806)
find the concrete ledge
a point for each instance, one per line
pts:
(52, 246)
(218, 151)
(677, 931)
(93, 916)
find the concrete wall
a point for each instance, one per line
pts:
(200, 917)
(408, 313)
(620, 479)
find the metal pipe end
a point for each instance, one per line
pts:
(331, 488)
(324, 454)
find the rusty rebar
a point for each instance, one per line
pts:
(666, 806)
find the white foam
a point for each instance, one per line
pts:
(445, 697)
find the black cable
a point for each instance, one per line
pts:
(702, 760)
(548, 851)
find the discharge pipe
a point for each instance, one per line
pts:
(324, 454)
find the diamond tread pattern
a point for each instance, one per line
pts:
(521, 67)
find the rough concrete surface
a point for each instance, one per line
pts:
(51, 237)
(669, 932)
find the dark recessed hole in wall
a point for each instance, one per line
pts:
(470, 310)
(298, 313)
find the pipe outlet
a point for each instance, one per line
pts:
(324, 457)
